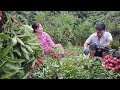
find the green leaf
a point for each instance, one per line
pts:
(3, 63)
(8, 75)
(33, 43)
(14, 41)
(29, 28)
(13, 67)
(5, 76)
(58, 62)
(15, 60)
(20, 41)
(44, 72)
(35, 48)
(25, 38)
(18, 52)
(29, 48)
(33, 64)
(11, 54)
(33, 40)
(55, 65)
(26, 31)
(4, 36)
(25, 76)
(26, 55)
(23, 49)
(31, 59)
(1, 44)
(5, 51)
(20, 36)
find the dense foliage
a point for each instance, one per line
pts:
(18, 48)
(76, 26)
(20, 51)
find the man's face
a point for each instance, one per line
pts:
(100, 33)
(39, 29)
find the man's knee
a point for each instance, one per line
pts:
(93, 46)
(60, 48)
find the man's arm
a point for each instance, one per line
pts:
(86, 49)
(88, 41)
(85, 45)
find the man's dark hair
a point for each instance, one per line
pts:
(100, 26)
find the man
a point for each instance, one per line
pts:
(45, 40)
(98, 42)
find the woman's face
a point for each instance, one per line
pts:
(39, 29)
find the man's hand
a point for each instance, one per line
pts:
(86, 51)
(106, 45)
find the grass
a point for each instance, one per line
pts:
(73, 66)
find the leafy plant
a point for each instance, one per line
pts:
(18, 49)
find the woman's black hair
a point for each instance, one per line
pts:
(35, 26)
(100, 26)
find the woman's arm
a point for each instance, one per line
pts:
(50, 41)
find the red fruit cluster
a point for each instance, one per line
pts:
(57, 56)
(111, 63)
(38, 63)
(52, 54)
(40, 59)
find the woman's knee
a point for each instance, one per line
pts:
(60, 48)
(59, 45)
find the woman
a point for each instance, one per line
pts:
(45, 40)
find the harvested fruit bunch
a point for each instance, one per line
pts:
(38, 63)
(52, 54)
(57, 56)
(111, 63)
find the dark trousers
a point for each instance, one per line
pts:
(99, 51)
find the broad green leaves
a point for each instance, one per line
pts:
(15, 51)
